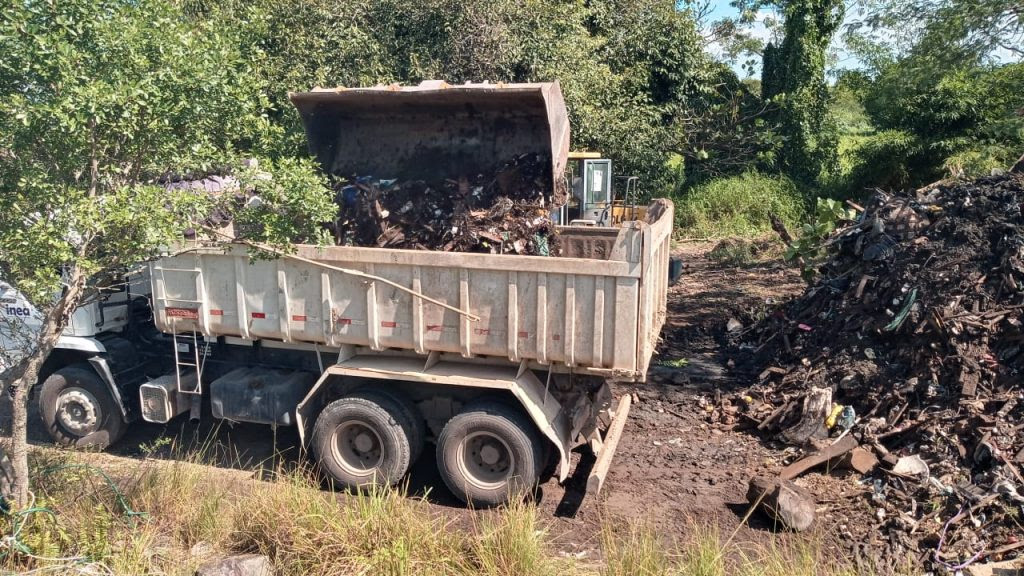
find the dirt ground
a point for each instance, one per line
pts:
(672, 469)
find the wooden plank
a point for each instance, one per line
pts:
(611, 442)
(833, 452)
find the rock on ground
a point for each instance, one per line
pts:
(242, 565)
(784, 502)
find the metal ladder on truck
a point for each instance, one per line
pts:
(188, 370)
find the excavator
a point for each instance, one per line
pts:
(594, 201)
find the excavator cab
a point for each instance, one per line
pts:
(598, 198)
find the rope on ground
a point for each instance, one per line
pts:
(77, 564)
(118, 495)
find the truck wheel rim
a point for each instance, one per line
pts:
(78, 411)
(357, 447)
(486, 461)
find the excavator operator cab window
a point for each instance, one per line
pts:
(597, 182)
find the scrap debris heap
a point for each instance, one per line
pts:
(910, 347)
(503, 212)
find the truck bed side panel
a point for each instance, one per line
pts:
(584, 313)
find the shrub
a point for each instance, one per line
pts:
(891, 159)
(739, 206)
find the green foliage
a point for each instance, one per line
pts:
(848, 111)
(631, 71)
(940, 34)
(891, 159)
(807, 249)
(794, 79)
(291, 205)
(98, 99)
(728, 130)
(738, 206)
(943, 79)
(958, 122)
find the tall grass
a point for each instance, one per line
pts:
(738, 206)
(194, 512)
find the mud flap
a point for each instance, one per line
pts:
(546, 413)
(305, 410)
(102, 368)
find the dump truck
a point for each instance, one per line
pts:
(502, 363)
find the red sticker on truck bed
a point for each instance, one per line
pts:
(387, 324)
(192, 313)
(259, 315)
(216, 312)
(298, 318)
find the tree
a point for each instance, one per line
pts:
(98, 100)
(794, 79)
(627, 68)
(944, 33)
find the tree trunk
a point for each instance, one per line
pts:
(27, 374)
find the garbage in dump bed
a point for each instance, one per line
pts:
(471, 168)
(912, 343)
(505, 211)
(465, 168)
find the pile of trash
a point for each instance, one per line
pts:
(905, 362)
(504, 212)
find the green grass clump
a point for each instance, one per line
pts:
(634, 550)
(738, 206)
(167, 517)
(745, 251)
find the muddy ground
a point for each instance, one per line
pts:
(672, 469)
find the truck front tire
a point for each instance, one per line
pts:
(490, 453)
(78, 409)
(365, 438)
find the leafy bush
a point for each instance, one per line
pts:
(890, 159)
(739, 206)
(949, 123)
(807, 250)
(981, 160)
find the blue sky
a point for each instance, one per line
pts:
(722, 9)
(843, 59)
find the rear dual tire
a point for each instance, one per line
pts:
(369, 437)
(490, 454)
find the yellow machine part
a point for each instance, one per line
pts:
(626, 213)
